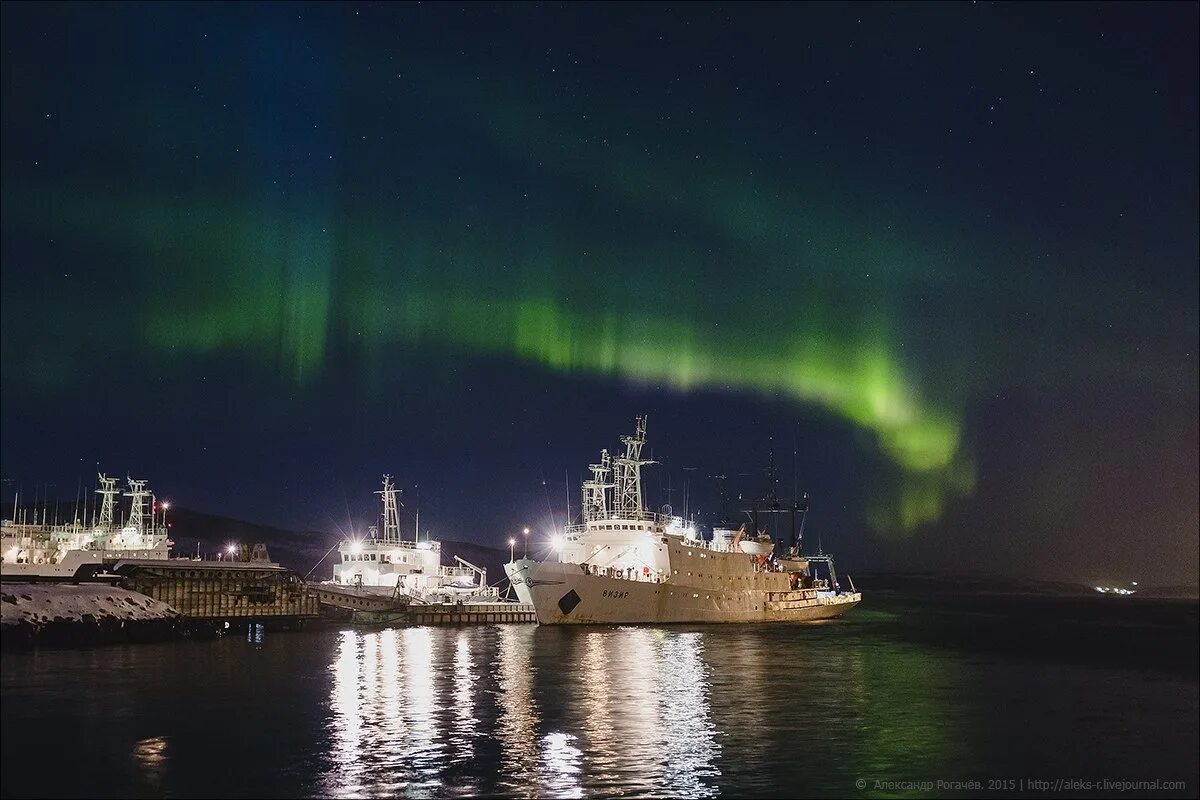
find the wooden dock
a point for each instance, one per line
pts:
(215, 593)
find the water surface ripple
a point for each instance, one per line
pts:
(899, 691)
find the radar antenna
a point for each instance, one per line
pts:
(723, 490)
(628, 473)
(138, 496)
(595, 491)
(108, 490)
(772, 495)
(391, 510)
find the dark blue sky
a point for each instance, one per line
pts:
(261, 254)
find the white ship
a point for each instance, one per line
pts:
(624, 565)
(78, 550)
(390, 565)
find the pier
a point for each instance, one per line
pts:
(470, 613)
(214, 591)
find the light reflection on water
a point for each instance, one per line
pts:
(523, 711)
(405, 704)
(690, 737)
(517, 712)
(150, 756)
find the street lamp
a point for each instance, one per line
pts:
(231, 549)
(512, 544)
(165, 505)
(526, 532)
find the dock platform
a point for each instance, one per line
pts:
(470, 613)
(367, 607)
(214, 593)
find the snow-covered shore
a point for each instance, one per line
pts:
(81, 613)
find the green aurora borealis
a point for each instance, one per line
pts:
(444, 290)
(863, 238)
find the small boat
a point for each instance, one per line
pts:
(383, 563)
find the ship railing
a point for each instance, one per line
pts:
(634, 574)
(402, 544)
(676, 525)
(455, 572)
(31, 530)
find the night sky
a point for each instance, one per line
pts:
(943, 258)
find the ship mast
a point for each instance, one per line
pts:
(108, 490)
(137, 495)
(595, 491)
(391, 511)
(628, 473)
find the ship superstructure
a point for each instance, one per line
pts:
(625, 564)
(384, 561)
(43, 550)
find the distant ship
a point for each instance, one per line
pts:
(385, 563)
(78, 550)
(1117, 590)
(626, 565)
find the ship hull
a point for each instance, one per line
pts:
(563, 595)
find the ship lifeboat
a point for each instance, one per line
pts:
(757, 546)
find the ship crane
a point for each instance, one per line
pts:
(771, 505)
(480, 571)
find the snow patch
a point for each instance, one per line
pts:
(39, 603)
